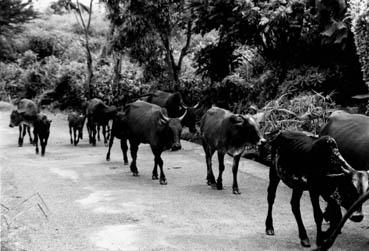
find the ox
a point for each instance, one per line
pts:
(315, 164)
(42, 132)
(148, 123)
(98, 114)
(226, 132)
(351, 132)
(76, 122)
(174, 104)
(24, 117)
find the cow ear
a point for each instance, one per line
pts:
(236, 119)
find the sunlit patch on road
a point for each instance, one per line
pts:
(69, 174)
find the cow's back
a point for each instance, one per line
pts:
(141, 120)
(27, 107)
(211, 125)
(351, 132)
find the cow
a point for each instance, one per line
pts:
(24, 116)
(226, 132)
(116, 131)
(351, 132)
(75, 123)
(98, 114)
(147, 123)
(315, 164)
(41, 132)
(175, 106)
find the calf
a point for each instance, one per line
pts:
(98, 114)
(148, 123)
(42, 132)
(315, 164)
(24, 117)
(226, 132)
(76, 122)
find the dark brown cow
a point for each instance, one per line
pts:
(226, 132)
(24, 117)
(175, 106)
(98, 114)
(351, 132)
(76, 122)
(147, 123)
(315, 164)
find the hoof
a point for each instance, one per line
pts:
(107, 158)
(125, 162)
(219, 186)
(135, 174)
(305, 242)
(163, 182)
(236, 191)
(155, 177)
(269, 231)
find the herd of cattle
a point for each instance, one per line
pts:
(333, 165)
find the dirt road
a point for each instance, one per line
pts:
(98, 205)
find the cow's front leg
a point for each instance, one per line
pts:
(134, 149)
(318, 216)
(295, 205)
(272, 188)
(98, 132)
(36, 142)
(104, 134)
(76, 139)
(159, 162)
(221, 169)
(70, 134)
(43, 143)
(236, 161)
(20, 139)
(93, 133)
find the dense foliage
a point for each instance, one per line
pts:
(234, 54)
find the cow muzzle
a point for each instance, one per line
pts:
(176, 147)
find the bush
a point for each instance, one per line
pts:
(44, 46)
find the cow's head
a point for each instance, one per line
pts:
(245, 128)
(190, 119)
(172, 129)
(15, 118)
(346, 184)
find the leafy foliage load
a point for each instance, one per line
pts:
(360, 27)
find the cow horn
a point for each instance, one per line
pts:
(196, 106)
(165, 118)
(184, 114)
(347, 169)
(332, 175)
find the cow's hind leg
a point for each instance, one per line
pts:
(236, 161)
(272, 188)
(208, 155)
(221, 169)
(111, 141)
(98, 132)
(295, 205)
(134, 149)
(124, 147)
(29, 134)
